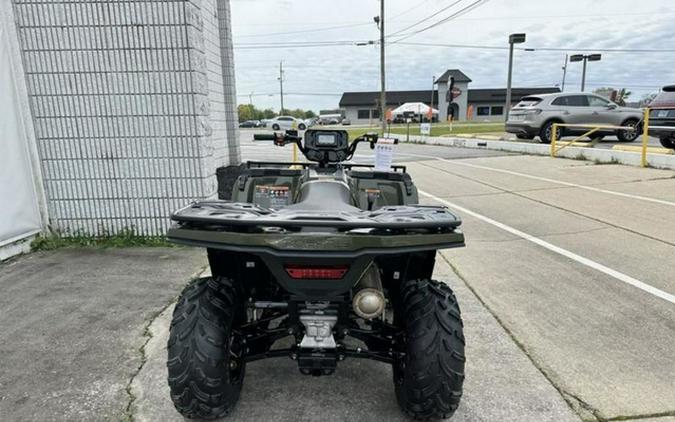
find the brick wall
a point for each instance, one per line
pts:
(128, 108)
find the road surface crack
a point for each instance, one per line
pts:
(645, 416)
(147, 336)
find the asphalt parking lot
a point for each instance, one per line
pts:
(566, 286)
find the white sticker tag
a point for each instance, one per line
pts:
(384, 155)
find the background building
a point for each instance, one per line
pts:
(121, 111)
(484, 104)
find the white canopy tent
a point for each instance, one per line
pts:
(416, 108)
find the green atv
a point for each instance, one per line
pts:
(317, 262)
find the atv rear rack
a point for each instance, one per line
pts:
(394, 218)
(304, 165)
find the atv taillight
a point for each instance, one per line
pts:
(316, 273)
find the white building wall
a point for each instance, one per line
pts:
(125, 99)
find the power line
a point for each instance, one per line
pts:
(292, 44)
(405, 12)
(460, 12)
(425, 19)
(309, 94)
(305, 31)
(503, 47)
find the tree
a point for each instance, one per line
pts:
(246, 112)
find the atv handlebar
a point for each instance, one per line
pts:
(263, 137)
(279, 139)
(347, 151)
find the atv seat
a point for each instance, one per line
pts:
(324, 195)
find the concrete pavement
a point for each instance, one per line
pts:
(501, 382)
(73, 321)
(606, 344)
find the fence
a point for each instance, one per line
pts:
(592, 128)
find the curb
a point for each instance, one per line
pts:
(608, 156)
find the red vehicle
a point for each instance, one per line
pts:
(662, 116)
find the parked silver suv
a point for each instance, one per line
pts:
(534, 116)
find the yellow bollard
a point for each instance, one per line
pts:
(554, 138)
(295, 153)
(645, 138)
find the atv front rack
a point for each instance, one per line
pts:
(392, 218)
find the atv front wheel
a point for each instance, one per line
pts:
(206, 371)
(428, 376)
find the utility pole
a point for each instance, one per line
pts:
(564, 69)
(383, 96)
(250, 98)
(281, 86)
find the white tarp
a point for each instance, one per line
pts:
(417, 108)
(19, 209)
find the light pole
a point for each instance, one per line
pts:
(585, 58)
(513, 39)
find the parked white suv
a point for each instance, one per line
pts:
(286, 123)
(535, 115)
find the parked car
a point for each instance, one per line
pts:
(535, 115)
(330, 119)
(287, 123)
(250, 123)
(662, 113)
(311, 121)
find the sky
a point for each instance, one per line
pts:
(267, 32)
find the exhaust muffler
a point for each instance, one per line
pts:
(369, 302)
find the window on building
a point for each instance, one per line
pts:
(376, 113)
(363, 114)
(497, 110)
(483, 111)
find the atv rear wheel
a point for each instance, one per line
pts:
(428, 378)
(206, 371)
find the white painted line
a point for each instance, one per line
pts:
(545, 179)
(564, 252)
